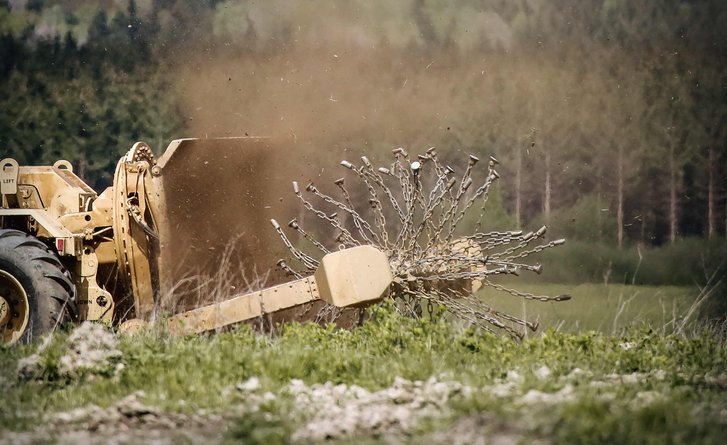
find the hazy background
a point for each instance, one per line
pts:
(609, 116)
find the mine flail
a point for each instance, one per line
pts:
(136, 253)
(413, 212)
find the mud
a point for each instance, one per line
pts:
(323, 98)
(318, 105)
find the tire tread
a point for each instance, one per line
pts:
(48, 278)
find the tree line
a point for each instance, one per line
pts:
(609, 116)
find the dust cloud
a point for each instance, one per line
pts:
(319, 106)
(338, 94)
(322, 99)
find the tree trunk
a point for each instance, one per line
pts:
(546, 197)
(160, 143)
(711, 223)
(620, 197)
(82, 165)
(672, 196)
(599, 206)
(518, 185)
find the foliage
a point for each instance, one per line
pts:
(88, 103)
(258, 429)
(604, 100)
(493, 217)
(90, 120)
(593, 115)
(689, 262)
(589, 219)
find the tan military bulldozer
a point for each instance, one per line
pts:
(70, 254)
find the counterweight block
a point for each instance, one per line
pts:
(353, 276)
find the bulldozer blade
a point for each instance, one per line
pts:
(212, 199)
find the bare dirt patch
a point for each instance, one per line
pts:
(345, 411)
(91, 349)
(128, 421)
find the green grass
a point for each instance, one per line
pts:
(599, 307)
(185, 374)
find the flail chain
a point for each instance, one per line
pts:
(415, 211)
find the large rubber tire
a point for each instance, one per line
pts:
(34, 273)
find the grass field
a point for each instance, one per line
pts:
(599, 307)
(392, 379)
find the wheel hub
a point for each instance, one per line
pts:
(14, 308)
(4, 310)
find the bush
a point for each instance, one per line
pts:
(495, 216)
(687, 262)
(586, 220)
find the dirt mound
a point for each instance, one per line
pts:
(344, 411)
(127, 413)
(91, 349)
(484, 429)
(129, 421)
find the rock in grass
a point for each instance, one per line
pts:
(30, 367)
(542, 373)
(90, 350)
(339, 411)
